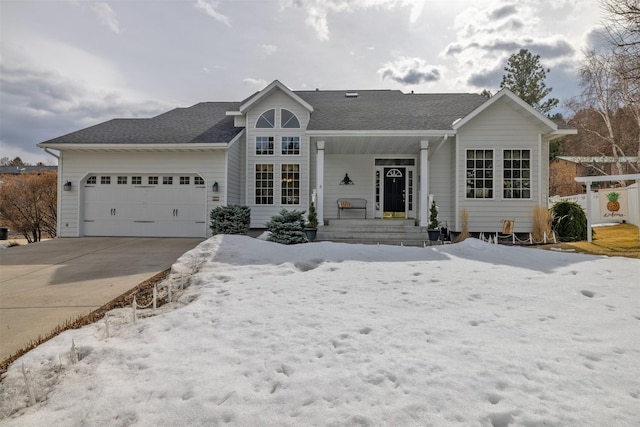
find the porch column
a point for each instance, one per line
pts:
(320, 182)
(424, 183)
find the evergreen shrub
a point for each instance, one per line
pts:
(233, 219)
(287, 227)
(569, 222)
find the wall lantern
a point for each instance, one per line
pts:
(67, 186)
(346, 180)
(215, 187)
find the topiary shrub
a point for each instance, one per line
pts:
(569, 222)
(287, 227)
(233, 219)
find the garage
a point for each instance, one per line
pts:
(144, 205)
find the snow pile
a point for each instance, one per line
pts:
(330, 334)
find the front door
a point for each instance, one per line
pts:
(394, 193)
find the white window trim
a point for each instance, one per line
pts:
(255, 146)
(255, 187)
(299, 146)
(530, 175)
(493, 187)
(299, 187)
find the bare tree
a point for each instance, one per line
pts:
(28, 204)
(604, 99)
(623, 30)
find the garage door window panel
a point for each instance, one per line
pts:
(106, 180)
(153, 180)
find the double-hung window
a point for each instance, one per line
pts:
(264, 145)
(290, 145)
(290, 184)
(264, 184)
(517, 174)
(479, 169)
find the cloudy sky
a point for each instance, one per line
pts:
(69, 64)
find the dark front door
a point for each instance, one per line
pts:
(394, 190)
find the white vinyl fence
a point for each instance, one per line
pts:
(581, 199)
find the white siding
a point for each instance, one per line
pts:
(498, 128)
(235, 173)
(361, 171)
(77, 165)
(441, 184)
(260, 214)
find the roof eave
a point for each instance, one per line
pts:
(430, 132)
(502, 93)
(267, 90)
(61, 146)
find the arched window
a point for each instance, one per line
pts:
(288, 120)
(267, 119)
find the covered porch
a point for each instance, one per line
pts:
(389, 170)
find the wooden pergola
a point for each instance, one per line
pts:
(589, 179)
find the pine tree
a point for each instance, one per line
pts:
(287, 227)
(525, 77)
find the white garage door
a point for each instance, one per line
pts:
(144, 205)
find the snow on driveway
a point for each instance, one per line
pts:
(329, 334)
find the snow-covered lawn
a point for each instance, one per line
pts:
(327, 334)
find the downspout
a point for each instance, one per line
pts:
(46, 149)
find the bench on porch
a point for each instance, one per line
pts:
(352, 203)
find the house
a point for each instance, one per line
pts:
(564, 169)
(280, 148)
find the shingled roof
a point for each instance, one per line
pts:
(203, 122)
(387, 109)
(207, 122)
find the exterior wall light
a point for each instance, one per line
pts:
(67, 186)
(346, 180)
(215, 187)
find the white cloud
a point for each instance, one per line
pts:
(107, 16)
(318, 10)
(485, 38)
(209, 7)
(268, 49)
(258, 83)
(410, 71)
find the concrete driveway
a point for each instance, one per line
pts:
(46, 283)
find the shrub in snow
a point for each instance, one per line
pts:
(233, 219)
(287, 227)
(569, 222)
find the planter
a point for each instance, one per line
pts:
(311, 233)
(434, 234)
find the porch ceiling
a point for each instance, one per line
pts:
(374, 144)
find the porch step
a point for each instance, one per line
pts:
(375, 231)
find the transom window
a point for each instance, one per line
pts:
(290, 145)
(264, 184)
(267, 119)
(479, 183)
(105, 180)
(517, 174)
(264, 145)
(136, 180)
(122, 180)
(197, 180)
(288, 120)
(184, 180)
(153, 180)
(167, 180)
(290, 184)
(92, 180)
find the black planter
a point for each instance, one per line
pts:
(434, 234)
(311, 233)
